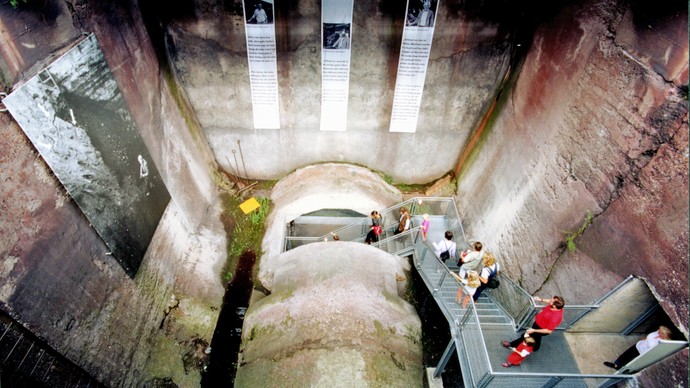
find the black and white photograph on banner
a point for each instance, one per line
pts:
(421, 13)
(258, 12)
(76, 117)
(336, 36)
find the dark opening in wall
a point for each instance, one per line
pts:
(27, 361)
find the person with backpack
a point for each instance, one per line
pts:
(445, 249)
(488, 275)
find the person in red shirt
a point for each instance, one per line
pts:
(545, 322)
(517, 355)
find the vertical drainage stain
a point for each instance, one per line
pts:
(227, 337)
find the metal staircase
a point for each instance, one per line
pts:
(477, 328)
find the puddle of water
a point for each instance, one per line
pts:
(227, 337)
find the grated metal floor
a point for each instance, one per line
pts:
(554, 356)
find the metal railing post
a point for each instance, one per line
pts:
(444, 358)
(440, 282)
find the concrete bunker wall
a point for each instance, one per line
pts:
(595, 121)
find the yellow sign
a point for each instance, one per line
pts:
(250, 205)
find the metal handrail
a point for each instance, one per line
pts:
(514, 300)
(546, 374)
(416, 206)
(614, 289)
(362, 223)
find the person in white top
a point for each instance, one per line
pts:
(641, 347)
(491, 268)
(424, 18)
(446, 245)
(472, 259)
(259, 15)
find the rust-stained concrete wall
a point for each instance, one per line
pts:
(56, 277)
(596, 121)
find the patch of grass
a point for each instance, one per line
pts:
(15, 3)
(245, 231)
(265, 185)
(570, 237)
(258, 216)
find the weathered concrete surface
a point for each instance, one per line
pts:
(334, 318)
(57, 280)
(596, 121)
(469, 57)
(25, 43)
(592, 124)
(323, 186)
(56, 276)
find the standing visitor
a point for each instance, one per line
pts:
(404, 221)
(518, 354)
(375, 229)
(445, 249)
(546, 321)
(641, 347)
(490, 270)
(425, 225)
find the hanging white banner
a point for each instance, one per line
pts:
(414, 57)
(261, 53)
(336, 32)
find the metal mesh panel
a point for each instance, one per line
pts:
(439, 207)
(475, 349)
(529, 380)
(572, 313)
(352, 232)
(512, 298)
(520, 306)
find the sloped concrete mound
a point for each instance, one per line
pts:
(335, 318)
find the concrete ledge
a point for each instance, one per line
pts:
(431, 382)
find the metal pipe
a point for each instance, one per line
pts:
(242, 158)
(450, 348)
(237, 167)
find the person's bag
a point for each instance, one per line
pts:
(445, 255)
(377, 230)
(493, 281)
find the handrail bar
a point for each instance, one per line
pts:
(412, 204)
(362, 221)
(536, 374)
(614, 289)
(518, 287)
